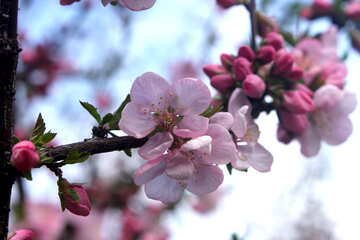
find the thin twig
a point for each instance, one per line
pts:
(252, 11)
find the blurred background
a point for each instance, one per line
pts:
(93, 53)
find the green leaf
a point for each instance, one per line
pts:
(229, 167)
(289, 38)
(47, 137)
(117, 114)
(76, 157)
(92, 110)
(27, 175)
(61, 184)
(211, 111)
(127, 152)
(72, 194)
(39, 128)
(107, 118)
(15, 139)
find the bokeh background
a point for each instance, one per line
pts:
(93, 53)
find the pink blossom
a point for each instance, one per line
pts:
(298, 101)
(266, 24)
(274, 39)
(329, 121)
(322, 6)
(213, 69)
(283, 135)
(22, 234)
(295, 123)
(222, 82)
(250, 152)
(208, 202)
(81, 207)
(227, 60)
(241, 68)
(246, 52)
(352, 10)
(24, 156)
(283, 63)
(254, 86)
(135, 5)
(266, 54)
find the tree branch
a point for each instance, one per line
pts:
(252, 10)
(94, 146)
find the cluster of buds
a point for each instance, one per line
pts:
(318, 8)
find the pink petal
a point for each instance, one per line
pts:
(337, 132)
(179, 167)
(241, 163)
(156, 145)
(189, 96)
(222, 118)
(138, 5)
(206, 179)
(201, 144)
(150, 90)
(135, 123)
(149, 171)
(327, 97)
(165, 189)
(223, 148)
(310, 142)
(240, 125)
(191, 126)
(258, 157)
(237, 100)
(347, 105)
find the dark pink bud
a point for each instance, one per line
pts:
(296, 73)
(246, 52)
(352, 10)
(307, 13)
(241, 68)
(213, 69)
(266, 54)
(266, 24)
(298, 102)
(222, 82)
(274, 39)
(227, 60)
(305, 89)
(22, 234)
(227, 3)
(283, 135)
(254, 86)
(24, 156)
(81, 207)
(68, 2)
(322, 7)
(283, 62)
(296, 123)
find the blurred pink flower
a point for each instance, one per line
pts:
(22, 234)
(24, 156)
(208, 202)
(352, 10)
(135, 5)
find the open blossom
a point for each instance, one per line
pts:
(135, 5)
(318, 59)
(329, 121)
(250, 152)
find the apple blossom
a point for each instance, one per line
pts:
(24, 156)
(241, 68)
(266, 54)
(80, 206)
(254, 86)
(246, 52)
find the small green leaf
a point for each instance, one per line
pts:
(92, 110)
(72, 194)
(211, 111)
(117, 114)
(107, 118)
(15, 139)
(289, 38)
(39, 128)
(76, 157)
(128, 152)
(47, 137)
(27, 175)
(229, 167)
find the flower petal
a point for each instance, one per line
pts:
(150, 90)
(206, 179)
(347, 105)
(138, 5)
(189, 96)
(156, 145)
(258, 157)
(149, 171)
(179, 167)
(338, 132)
(191, 126)
(165, 189)
(237, 100)
(327, 97)
(240, 125)
(134, 123)
(201, 144)
(222, 118)
(310, 142)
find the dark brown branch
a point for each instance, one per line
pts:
(8, 62)
(252, 10)
(94, 146)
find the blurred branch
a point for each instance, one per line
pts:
(94, 146)
(252, 11)
(9, 51)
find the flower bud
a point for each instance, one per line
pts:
(68, 2)
(227, 3)
(352, 11)
(75, 198)
(274, 39)
(246, 52)
(295, 123)
(241, 68)
(283, 62)
(305, 89)
(322, 7)
(213, 69)
(24, 156)
(227, 60)
(222, 82)
(21, 234)
(283, 135)
(296, 73)
(266, 24)
(355, 39)
(253, 86)
(298, 102)
(266, 54)
(307, 13)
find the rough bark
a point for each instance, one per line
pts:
(8, 62)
